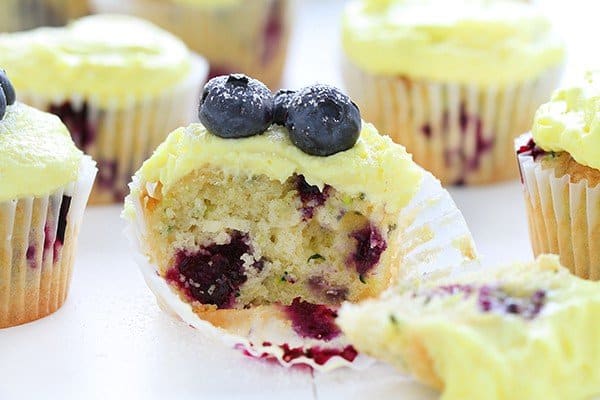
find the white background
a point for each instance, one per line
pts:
(110, 340)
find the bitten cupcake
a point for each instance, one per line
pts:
(269, 214)
(519, 332)
(249, 37)
(455, 86)
(18, 15)
(45, 182)
(560, 169)
(117, 82)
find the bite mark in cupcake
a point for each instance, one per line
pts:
(301, 237)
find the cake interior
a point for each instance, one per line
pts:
(234, 242)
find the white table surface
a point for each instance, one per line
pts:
(110, 340)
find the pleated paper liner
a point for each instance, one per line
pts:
(121, 137)
(436, 238)
(18, 15)
(463, 134)
(564, 217)
(38, 237)
(250, 37)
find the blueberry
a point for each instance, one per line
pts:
(323, 121)
(281, 103)
(235, 106)
(7, 88)
(2, 104)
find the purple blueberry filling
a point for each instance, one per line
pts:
(426, 130)
(459, 155)
(318, 354)
(53, 239)
(82, 131)
(482, 145)
(310, 196)
(370, 244)
(531, 149)
(31, 250)
(62, 220)
(213, 274)
(314, 321)
(494, 299)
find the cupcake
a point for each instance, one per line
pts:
(520, 332)
(250, 37)
(18, 15)
(45, 185)
(560, 170)
(269, 214)
(455, 86)
(117, 82)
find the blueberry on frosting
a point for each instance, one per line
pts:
(323, 121)
(2, 104)
(281, 103)
(236, 106)
(7, 94)
(7, 88)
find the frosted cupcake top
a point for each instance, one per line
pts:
(375, 165)
(481, 42)
(571, 122)
(37, 155)
(316, 132)
(108, 58)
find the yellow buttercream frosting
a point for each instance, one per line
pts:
(375, 165)
(439, 332)
(571, 122)
(109, 58)
(479, 42)
(37, 155)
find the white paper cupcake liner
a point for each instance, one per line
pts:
(38, 237)
(564, 217)
(17, 15)
(120, 138)
(436, 241)
(463, 134)
(250, 37)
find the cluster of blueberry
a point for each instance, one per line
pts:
(7, 94)
(321, 120)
